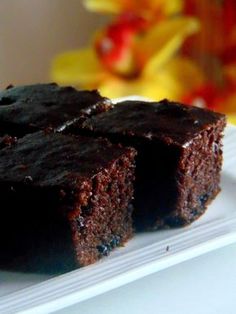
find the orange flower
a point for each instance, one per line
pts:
(151, 10)
(129, 59)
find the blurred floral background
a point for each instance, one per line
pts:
(183, 50)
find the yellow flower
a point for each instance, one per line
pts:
(232, 118)
(156, 71)
(145, 8)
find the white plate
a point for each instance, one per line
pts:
(145, 254)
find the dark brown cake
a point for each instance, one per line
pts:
(179, 157)
(66, 201)
(26, 109)
(7, 140)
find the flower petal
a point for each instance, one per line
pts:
(172, 6)
(164, 40)
(186, 74)
(141, 7)
(115, 87)
(231, 118)
(79, 67)
(103, 6)
(172, 81)
(159, 87)
(175, 79)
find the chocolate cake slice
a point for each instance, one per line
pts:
(66, 201)
(26, 109)
(7, 140)
(179, 157)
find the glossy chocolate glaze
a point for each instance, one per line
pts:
(26, 109)
(166, 121)
(53, 159)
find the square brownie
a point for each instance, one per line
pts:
(179, 157)
(66, 201)
(27, 109)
